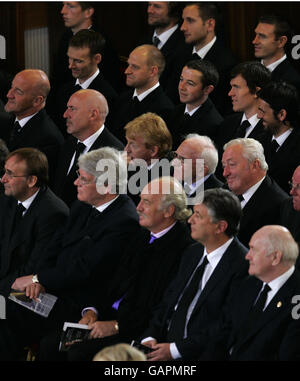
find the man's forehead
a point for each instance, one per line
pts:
(296, 175)
(265, 28)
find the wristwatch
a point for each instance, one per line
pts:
(116, 326)
(35, 279)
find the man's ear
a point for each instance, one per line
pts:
(281, 115)
(208, 89)
(154, 151)
(97, 58)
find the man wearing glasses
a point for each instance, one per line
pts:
(81, 258)
(30, 215)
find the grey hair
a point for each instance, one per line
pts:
(175, 195)
(209, 153)
(283, 243)
(252, 150)
(106, 163)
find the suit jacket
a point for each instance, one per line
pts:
(210, 183)
(21, 250)
(263, 208)
(39, 132)
(223, 59)
(267, 336)
(156, 102)
(83, 257)
(143, 276)
(63, 185)
(203, 321)
(205, 121)
(57, 102)
(283, 163)
(171, 50)
(285, 71)
(290, 218)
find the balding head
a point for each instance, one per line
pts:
(272, 252)
(86, 113)
(28, 93)
(295, 190)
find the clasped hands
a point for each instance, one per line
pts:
(32, 290)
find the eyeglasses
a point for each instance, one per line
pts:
(294, 186)
(11, 176)
(83, 180)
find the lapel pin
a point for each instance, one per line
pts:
(279, 304)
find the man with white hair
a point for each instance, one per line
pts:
(195, 164)
(81, 257)
(149, 264)
(245, 170)
(256, 327)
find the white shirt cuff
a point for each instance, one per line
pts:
(89, 308)
(174, 351)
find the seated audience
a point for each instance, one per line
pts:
(81, 258)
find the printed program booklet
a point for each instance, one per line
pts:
(73, 333)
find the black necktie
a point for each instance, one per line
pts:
(195, 56)
(77, 88)
(241, 197)
(18, 216)
(156, 41)
(92, 217)
(80, 147)
(176, 330)
(15, 132)
(241, 131)
(274, 146)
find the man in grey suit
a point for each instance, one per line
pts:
(30, 215)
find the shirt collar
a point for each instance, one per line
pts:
(282, 138)
(91, 139)
(145, 93)
(163, 37)
(215, 256)
(253, 120)
(277, 283)
(23, 121)
(163, 232)
(273, 65)
(250, 192)
(87, 83)
(29, 201)
(191, 113)
(203, 51)
(101, 208)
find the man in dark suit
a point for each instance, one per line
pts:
(185, 320)
(81, 257)
(78, 15)
(30, 215)
(271, 37)
(245, 170)
(145, 65)
(279, 112)
(198, 27)
(197, 113)
(28, 124)
(256, 326)
(246, 79)
(290, 209)
(85, 54)
(148, 267)
(149, 143)
(195, 163)
(164, 17)
(85, 117)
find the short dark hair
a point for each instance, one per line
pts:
(254, 73)
(281, 26)
(224, 205)
(207, 10)
(210, 75)
(36, 162)
(175, 9)
(282, 95)
(86, 5)
(86, 38)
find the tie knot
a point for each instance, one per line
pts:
(195, 56)
(21, 208)
(77, 87)
(80, 147)
(152, 238)
(241, 197)
(274, 145)
(156, 41)
(241, 131)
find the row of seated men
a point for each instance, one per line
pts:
(245, 170)
(138, 272)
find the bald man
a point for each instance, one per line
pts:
(145, 66)
(85, 117)
(258, 322)
(27, 124)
